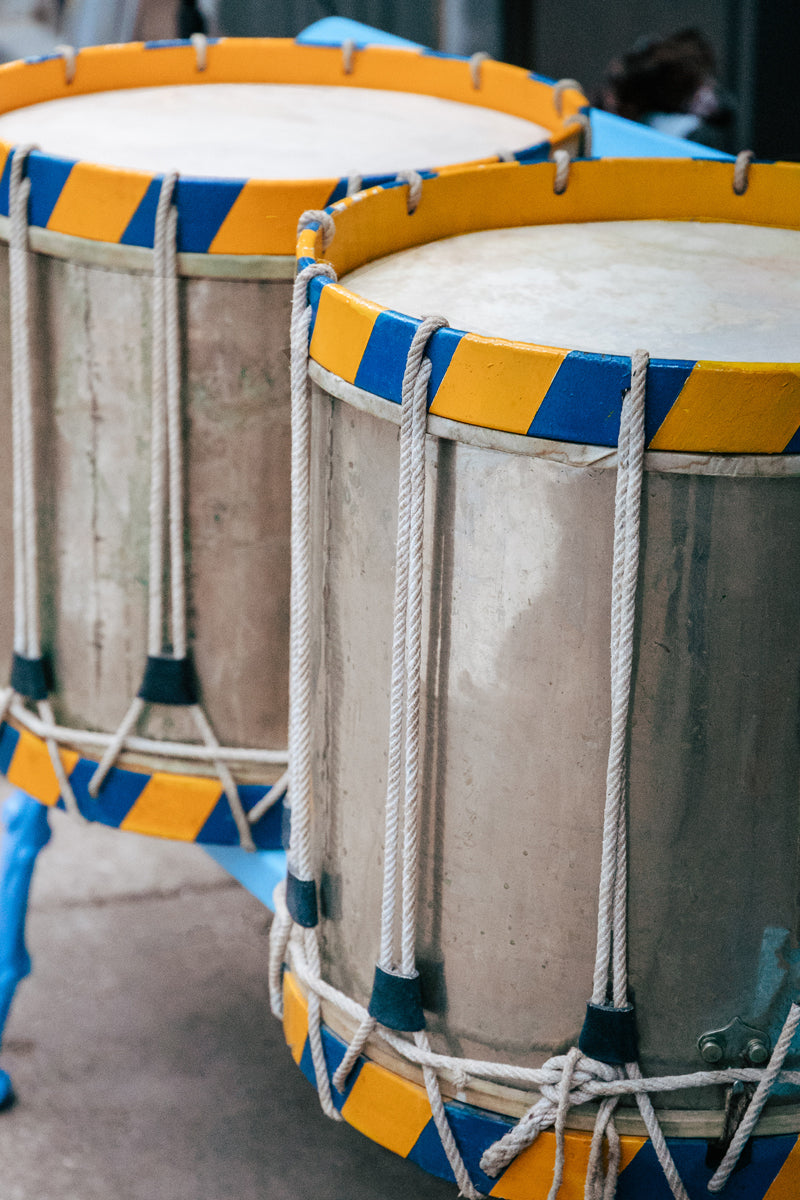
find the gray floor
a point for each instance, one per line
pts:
(144, 1055)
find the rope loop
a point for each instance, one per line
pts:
(741, 171)
(321, 218)
(562, 162)
(200, 43)
(586, 125)
(70, 58)
(558, 93)
(348, 56)
(354, 184)
(414, 181)
(475, 63)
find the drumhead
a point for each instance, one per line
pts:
(682, 290)
(266, 131)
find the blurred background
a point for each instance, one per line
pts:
(720, 71)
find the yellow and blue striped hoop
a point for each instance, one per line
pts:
(545, 391)
(242, 216)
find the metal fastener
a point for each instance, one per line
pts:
(757, 1051)
(711, 1049)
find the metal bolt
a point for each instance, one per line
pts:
(757, 1051)
(711, 1049)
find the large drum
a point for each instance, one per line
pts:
(150, 480)
(553, 713)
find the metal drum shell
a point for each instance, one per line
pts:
(91, 313)
(516, 713)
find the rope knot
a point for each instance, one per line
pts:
(567, 1085)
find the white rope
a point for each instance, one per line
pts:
(475, 63)
(299, 791)
(167, 501)
(561, 178)
(200, 43)
(561, 86)
(318, 216)
(586, 125)
(269, 800)
(414, 181)
(756, 1105)
(70, 60)
(612, 918)
(27, 639)
(348, 55)
(354, 184)
(279, 934)
(26, 633)
(741, 171)
(65, 736)
(457, 1165)
(315, 1034)
(596, 1081)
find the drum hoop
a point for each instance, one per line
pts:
(243, 216)
(694, 406)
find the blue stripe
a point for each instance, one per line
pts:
(644, 1176)
(334, 1049)
(8, 744)
(203, 204)
(584, 401)
(220, 828)
(48, 176)
(474, 1131)
(384, 360)
(532, 154)
(140, 230)
(441, 349)
(212, 41)
(793, 445)
(117, 797)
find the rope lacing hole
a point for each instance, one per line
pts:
(70, 60)
(414, 181)
(325, 221)
(562, 162)
(475, 67)
(558, 93)
(348, 55)
(586, 125)
(741, 171)
(200, 43)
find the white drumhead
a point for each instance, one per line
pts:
(267, 131)
(677, 289)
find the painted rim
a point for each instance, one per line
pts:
(549, 392)
(395, 1113)
(240, 216)
(185, 808)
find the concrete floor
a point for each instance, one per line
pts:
(146, 1062)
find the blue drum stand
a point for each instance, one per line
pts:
(27, 830)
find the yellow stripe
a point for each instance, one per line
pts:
(496, 384)
(173, 806)
(342, 330)
(786, 1184)
(97, 202)
(264, 216)
(32, 770)
(530, 1175)
(734, 408)
(295, 1017)
(390, 1110)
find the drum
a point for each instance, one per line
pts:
(149, 479)
(552, 685)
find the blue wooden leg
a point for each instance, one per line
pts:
(27, 831)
